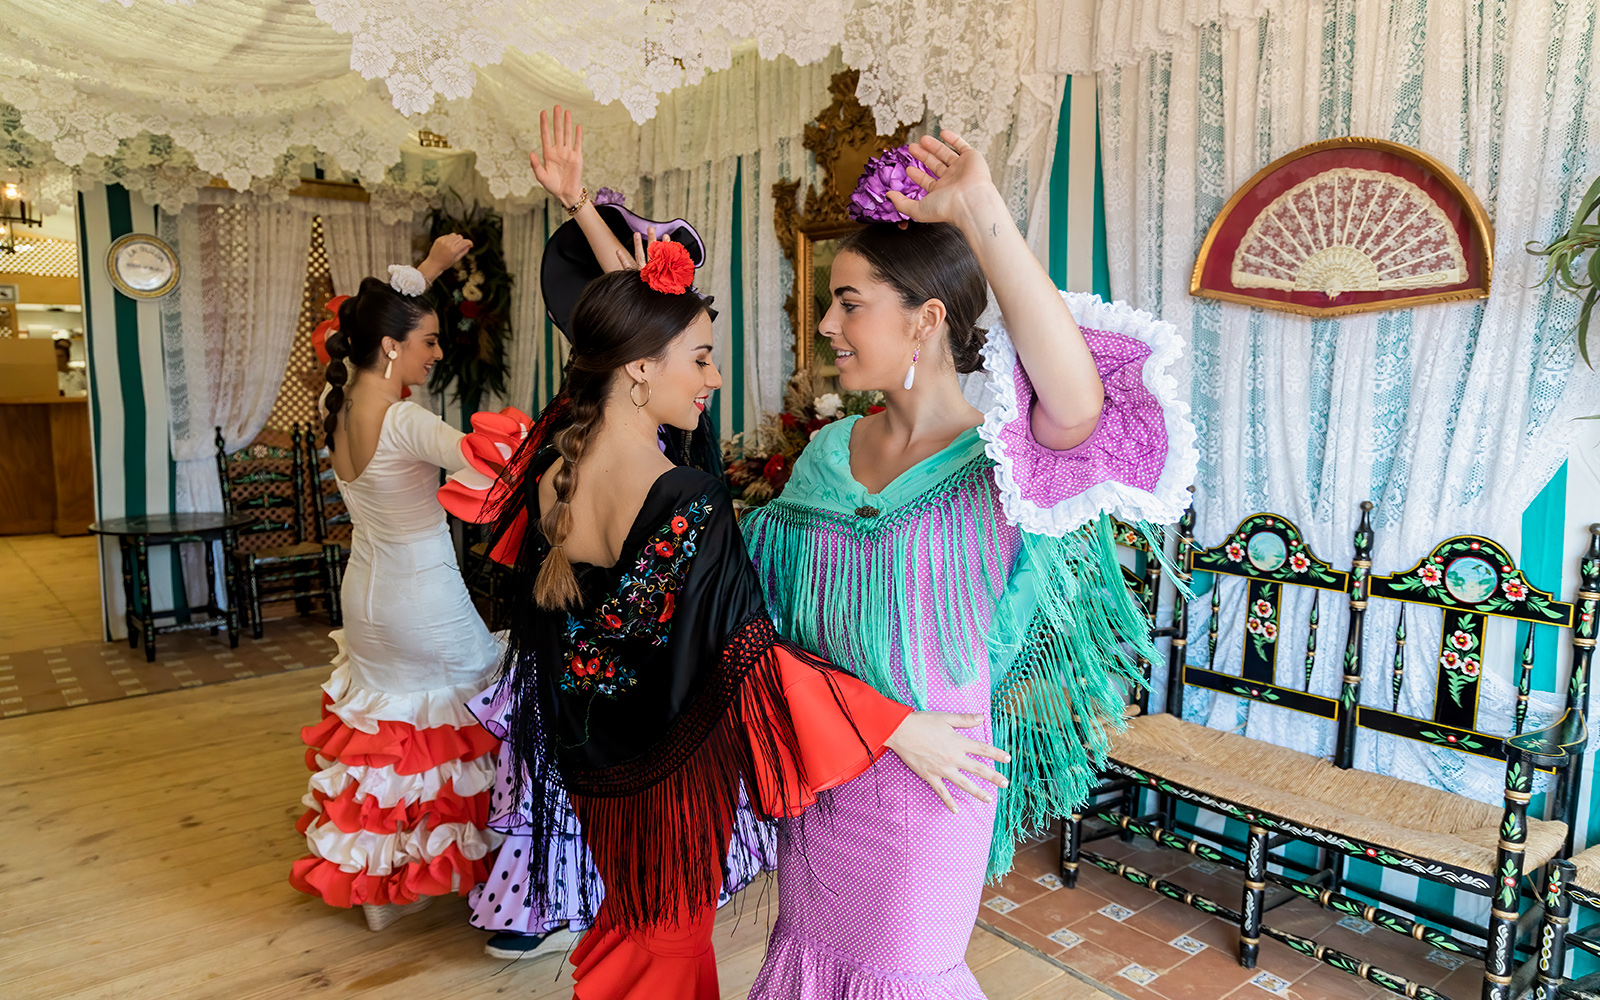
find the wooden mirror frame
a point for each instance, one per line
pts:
(843, 137)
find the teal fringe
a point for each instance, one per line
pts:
(1063, 643)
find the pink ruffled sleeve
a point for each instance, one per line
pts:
(1141, 459)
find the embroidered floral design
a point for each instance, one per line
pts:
(640, 612)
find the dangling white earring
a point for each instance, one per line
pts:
(395, 354)
(911, 373)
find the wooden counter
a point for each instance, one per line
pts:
(46, 475)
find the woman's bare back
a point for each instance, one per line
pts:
(613, 483)
(355, 437)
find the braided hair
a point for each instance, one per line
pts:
(618, 319)
(376, 311)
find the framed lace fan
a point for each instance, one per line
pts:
(1348, 225)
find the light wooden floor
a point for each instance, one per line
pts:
(51, 589)
(144, 848)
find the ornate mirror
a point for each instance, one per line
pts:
(843, 137)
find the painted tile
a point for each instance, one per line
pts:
(1139, 974)
(1065, 938)
(1271, 983)
(1115, 912)
(1000, 904)
(1050, 880)
(1356, 924)
(1188, 944)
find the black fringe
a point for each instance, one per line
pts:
(658, 827)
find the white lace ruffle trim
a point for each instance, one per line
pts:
(1162, 504)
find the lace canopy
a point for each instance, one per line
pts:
(163, 97)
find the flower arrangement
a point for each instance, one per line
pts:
(474, 300)
(758, 463)
(885, 172)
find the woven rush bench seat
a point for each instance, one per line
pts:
(1376, 809)
(295, 551)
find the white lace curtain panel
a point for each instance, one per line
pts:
(1449, 417)
(226, 332)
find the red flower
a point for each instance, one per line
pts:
(679, 525)
(815, 424)
(668, 606)
(469, 309)
(611, 670)
(874, 409)
(593, 667)
(670, 270)
(776, 471)
(576, 666)
(789, 421)
(664, 550)
(613, 622)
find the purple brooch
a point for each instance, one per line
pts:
(606, 196)
(885, 172)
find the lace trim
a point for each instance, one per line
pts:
(1162, 504)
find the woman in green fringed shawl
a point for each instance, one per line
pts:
(960, 560)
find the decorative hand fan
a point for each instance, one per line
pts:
(1348, 225)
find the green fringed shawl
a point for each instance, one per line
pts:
(851, 575)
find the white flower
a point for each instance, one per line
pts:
(471, 292)
(828, 405)
(407, 280)
(452, 78)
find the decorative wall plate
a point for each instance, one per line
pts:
(1348, 225)
(142, 266)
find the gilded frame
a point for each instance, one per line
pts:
(1476, 219)
(841, 138)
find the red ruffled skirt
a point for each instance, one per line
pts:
(398, 799)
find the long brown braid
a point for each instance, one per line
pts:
(617, 320)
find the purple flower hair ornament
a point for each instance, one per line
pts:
(606, 196)
(885, 172)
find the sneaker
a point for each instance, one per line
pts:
(519, 946)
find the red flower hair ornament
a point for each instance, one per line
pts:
(670, 269)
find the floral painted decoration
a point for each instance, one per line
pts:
(640, 612)
(885, 172)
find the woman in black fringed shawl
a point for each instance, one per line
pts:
(649, 687)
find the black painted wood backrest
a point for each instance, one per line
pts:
(1269, 552)
(264, 481)
(1468, 580)
(329, 517)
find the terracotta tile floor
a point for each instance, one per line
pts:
(1147, 947)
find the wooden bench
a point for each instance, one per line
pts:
(1284, 796)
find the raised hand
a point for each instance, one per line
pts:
(560, 170)
(446, 250)
(930, 745)
(954, 174)
(639, 257)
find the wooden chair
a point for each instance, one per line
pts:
(275, 560)
(330, 518)
(1285, 796)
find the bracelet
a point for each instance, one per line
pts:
(583, 200)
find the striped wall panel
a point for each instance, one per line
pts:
(134, 472)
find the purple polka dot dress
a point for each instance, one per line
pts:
(982, 580)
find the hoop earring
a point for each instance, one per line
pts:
(636, 404)
(390, 366)
(911, 373)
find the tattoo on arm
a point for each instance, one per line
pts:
(994, 229)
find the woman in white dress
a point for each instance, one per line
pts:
(399, 798)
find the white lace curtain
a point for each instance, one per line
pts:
(1449, 417)
(226, 332)
(361, 244)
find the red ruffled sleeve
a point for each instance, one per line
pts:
(823, 705)
(476, 493)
